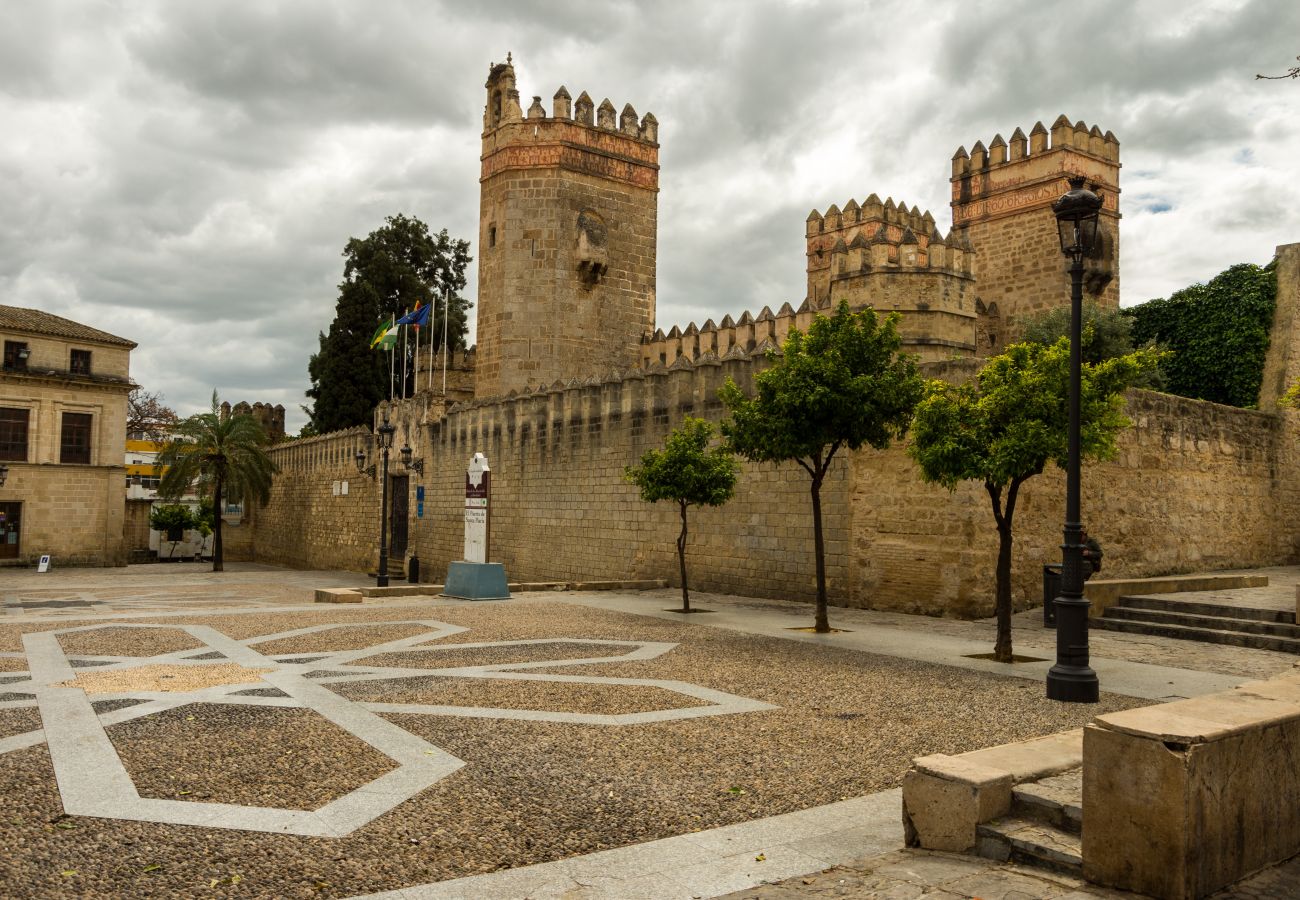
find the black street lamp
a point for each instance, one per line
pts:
(385, 440)
(1072, 679)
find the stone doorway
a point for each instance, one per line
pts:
(11, 522)
(400, 491)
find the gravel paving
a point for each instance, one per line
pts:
(18, 721)
(258, 756)
(341, 638)
(847, 724)
(446, 656)
(127, 642)
(173, 678)
(600, 699)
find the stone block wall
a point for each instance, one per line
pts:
(1195, 486)
(74, 513)
(306, 524)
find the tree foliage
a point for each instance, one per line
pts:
(1107, 333)
(384, 274)
(1217, 332)
(687, 473)
(222, 455)
(147, 415)
(1007, 425)
(844, 384)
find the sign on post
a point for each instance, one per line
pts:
(478, 494)
(44, 565)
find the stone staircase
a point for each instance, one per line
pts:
(1044, 827)
(1216, 623)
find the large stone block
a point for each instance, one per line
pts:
(946, 797)
(1186, 798)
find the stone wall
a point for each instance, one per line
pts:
(1195, 486)
(306, 523)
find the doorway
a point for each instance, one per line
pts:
(399, 491)
(11, 527)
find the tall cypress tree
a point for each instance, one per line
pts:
(384, 274)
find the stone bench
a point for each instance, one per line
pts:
(337, 595)
(946, 798)
(1185, 798)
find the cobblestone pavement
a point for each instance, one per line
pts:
(914, 874)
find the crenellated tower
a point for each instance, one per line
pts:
(1001, 204)
(892, 257)
(567, 228)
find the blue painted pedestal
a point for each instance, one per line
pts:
(476, 581)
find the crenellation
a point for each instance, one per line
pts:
(536, 111)
(562, 104)
(1019, 145)
(605, 115)
(997, 151)
(628, 123)
(584, 110)
(1062, 133)
(1038, 138)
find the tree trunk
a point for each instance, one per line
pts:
(1002, 651)
(216, 527)
(681, 560)
(823, 624)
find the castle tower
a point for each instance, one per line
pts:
(1001, 204)
(893, 258)
(567, 223)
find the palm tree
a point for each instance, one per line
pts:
(220, 452)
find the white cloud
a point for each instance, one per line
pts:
(186, 175)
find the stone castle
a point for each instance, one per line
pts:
(573, 378)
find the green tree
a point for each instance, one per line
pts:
(384, 274)
(1003, 429)
(686, 472)
(1217, 332)
(171, 520)
(1107, 333)
(843, 384)
(222, 455)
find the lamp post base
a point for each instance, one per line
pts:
(1072, 684)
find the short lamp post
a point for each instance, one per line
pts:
(385, 441)
(1071, 679)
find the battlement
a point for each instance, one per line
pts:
(870, 211)
(332, 452)
(503, 109)
(1007, 178)
(1002, 199)
(731, 339)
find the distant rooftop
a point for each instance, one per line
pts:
(37, 321)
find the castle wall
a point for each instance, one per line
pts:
(1195, 486)
(1282, 362)
(306, 524)
(568, 221)
(1001, 202)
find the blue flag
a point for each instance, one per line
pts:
(417, 317)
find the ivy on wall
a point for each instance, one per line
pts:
(1218, 333)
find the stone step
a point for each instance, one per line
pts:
(1216, 623)
(1205, 635)
(1208, 608)
(1031, 843)
(1056, 801)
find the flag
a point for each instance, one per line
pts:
(385, 335)
(417, 317)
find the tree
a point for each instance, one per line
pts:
(1107, 333)
(222, 454)
(1217, 332)
(688, 473)
(147, 415)
(384, 275)
(172, 520)
(1003, 429)
(1293, 72)
(844, 384)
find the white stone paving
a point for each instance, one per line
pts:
(93, 781)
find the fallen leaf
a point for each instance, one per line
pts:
(68, 873)
(152, 867)
(760, 858)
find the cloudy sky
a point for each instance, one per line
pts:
(186, 174)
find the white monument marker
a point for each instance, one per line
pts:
(478, 497)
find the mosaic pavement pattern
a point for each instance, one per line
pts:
(68, 687)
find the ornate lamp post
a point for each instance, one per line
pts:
(385, 438)
(1072, 679)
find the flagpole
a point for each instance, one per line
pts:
(415, 358)
(405, 330)
(446, 315)
(392, 362)
(432, 340)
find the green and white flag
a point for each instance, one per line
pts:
(385, 335)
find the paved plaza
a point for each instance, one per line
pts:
(166, 731)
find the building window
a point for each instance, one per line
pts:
(74, 444)
(80, 362)
(492, 236)
(16, 354)
(13, 434)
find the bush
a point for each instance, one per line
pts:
(172, 519)
(1218, 333)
